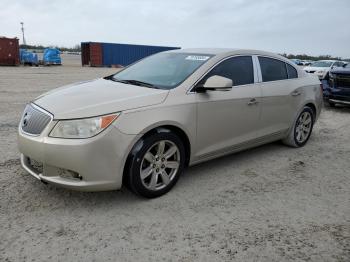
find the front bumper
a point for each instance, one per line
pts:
(321, 75)
(97, 163)
(338, 94)
(336, 101)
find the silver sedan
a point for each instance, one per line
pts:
(143, 125)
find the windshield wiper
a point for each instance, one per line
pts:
(132, 82)
(112, 78)
(139, 83)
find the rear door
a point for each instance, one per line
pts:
(228, 118)
(281, 95)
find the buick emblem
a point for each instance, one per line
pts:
(25, 120)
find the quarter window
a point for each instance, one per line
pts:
(239, 69)
(272, 69)
(292, 72)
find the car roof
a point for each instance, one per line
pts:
(222, 51)
(327, 61)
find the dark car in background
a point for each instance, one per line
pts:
(339, 86)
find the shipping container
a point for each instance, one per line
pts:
(9, 51)
(108, 54)
(91, 54)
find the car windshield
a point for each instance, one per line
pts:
(322, 64)
(163, 70)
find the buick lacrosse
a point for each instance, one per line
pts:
(143, 125)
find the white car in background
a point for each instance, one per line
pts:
(321, 68)
(306, 62)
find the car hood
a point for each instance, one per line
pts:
(314, 68)
(97, 97)
(341, 70)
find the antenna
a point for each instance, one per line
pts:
(22, 28)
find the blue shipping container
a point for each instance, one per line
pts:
(125, 54)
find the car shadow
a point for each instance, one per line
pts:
(236, 158)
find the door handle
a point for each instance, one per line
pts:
(252, 101)
(296, 93)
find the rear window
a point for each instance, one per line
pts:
(292, 72)
(272, 69)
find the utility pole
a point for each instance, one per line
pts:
(22, 28)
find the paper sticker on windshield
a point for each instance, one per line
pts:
(197, 57)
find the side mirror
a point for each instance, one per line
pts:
(215, 82)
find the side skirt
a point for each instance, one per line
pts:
(240, 147)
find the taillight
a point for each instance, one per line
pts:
(321, 88)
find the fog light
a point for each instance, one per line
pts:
(66, 173)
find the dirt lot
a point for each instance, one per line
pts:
(271, 203)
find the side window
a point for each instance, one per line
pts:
(239, 69)
(292, 72)
(272, 69)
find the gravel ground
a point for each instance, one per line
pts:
(272, 203)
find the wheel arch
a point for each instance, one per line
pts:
(313, 107)
(166, 127)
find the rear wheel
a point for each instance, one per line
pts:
(302, 129)
(156, 164)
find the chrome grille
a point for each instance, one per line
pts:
(34, 120)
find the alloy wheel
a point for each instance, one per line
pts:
(303, 127)
(160, 165)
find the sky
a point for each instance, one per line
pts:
(313, 27)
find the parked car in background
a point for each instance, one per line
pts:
(339, 86)
(297, 61)
(306, 62)
(321, 68)
(144, 124)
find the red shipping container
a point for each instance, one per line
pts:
(91, 54)
(9, 51)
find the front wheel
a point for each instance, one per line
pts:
(156, 164)
(301, 131)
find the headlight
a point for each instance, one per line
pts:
(331, 75)
(82, 128)
(320, 72)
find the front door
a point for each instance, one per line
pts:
(228, 118)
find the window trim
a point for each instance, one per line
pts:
(191, 90)
(260, 74)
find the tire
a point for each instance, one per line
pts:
(331, 104)
(155, 164)
(301, 131)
